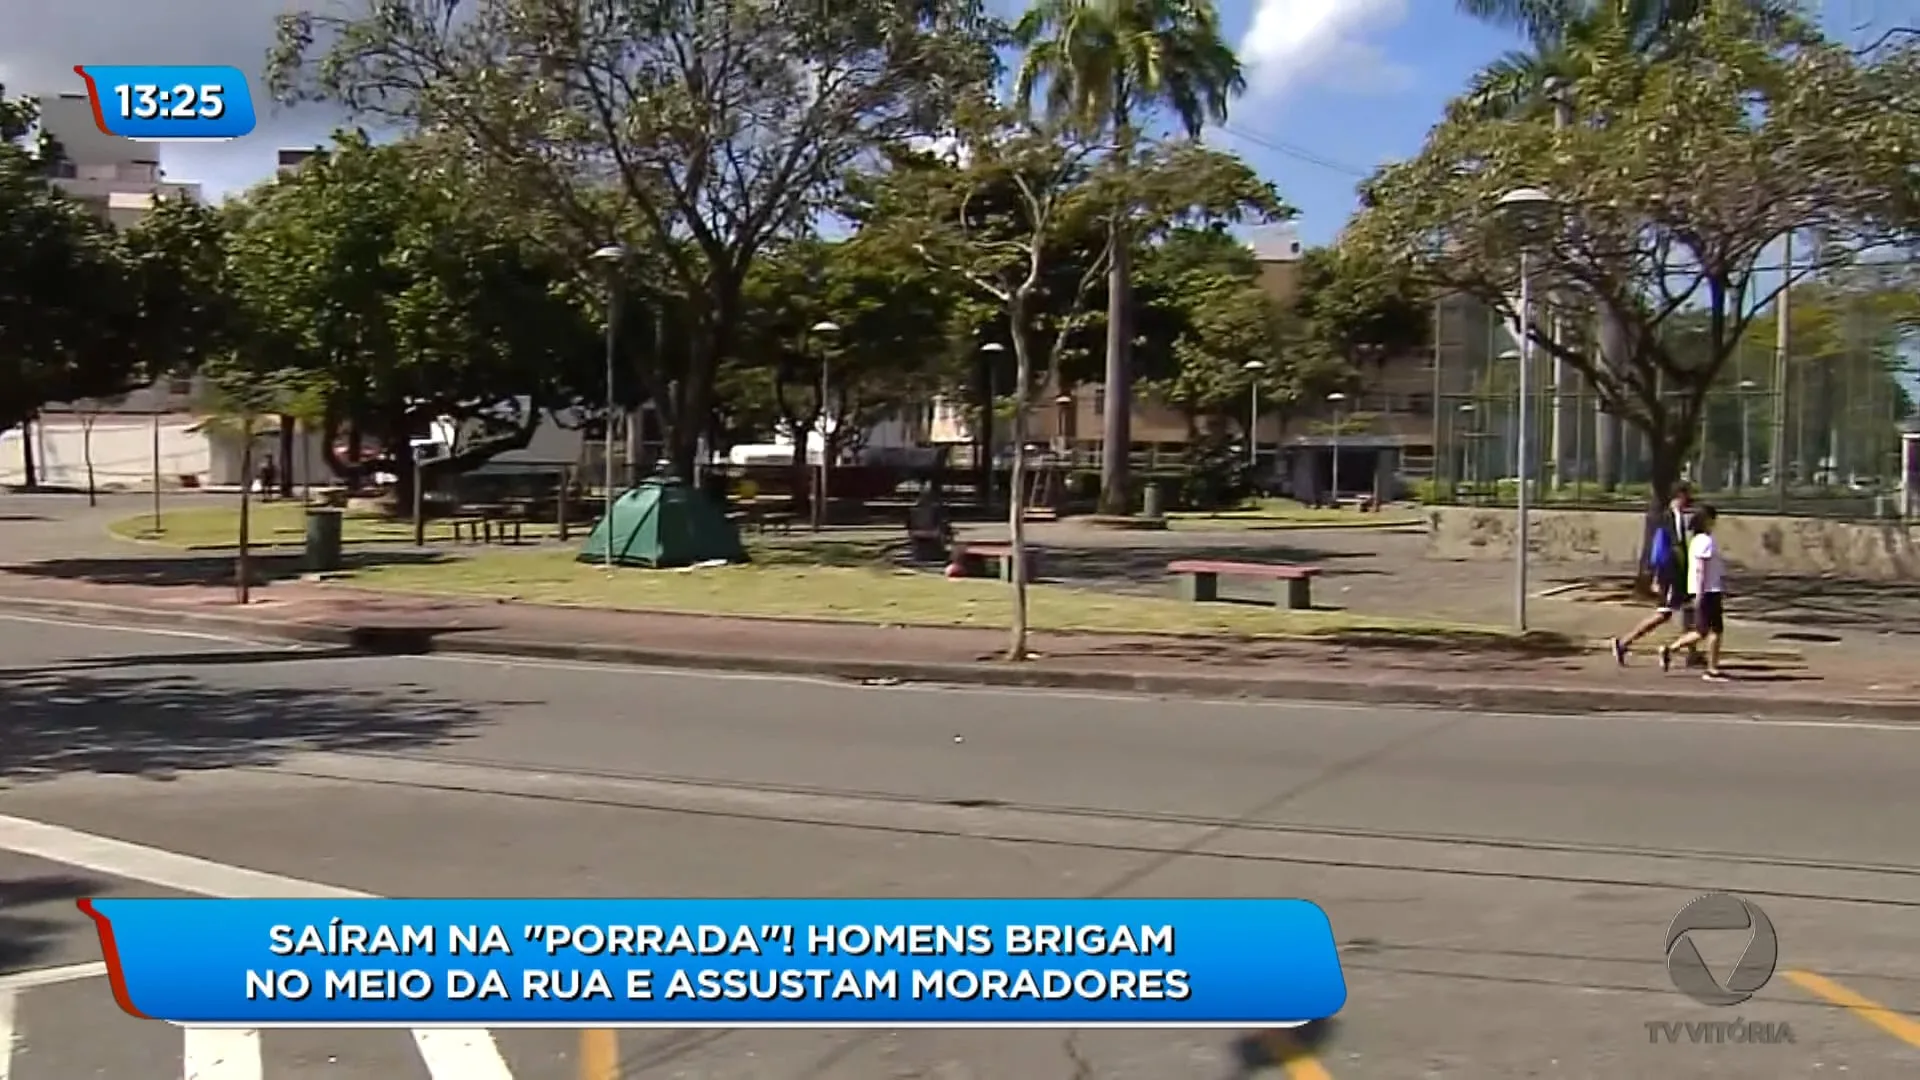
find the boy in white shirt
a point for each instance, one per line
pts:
(1706, 582)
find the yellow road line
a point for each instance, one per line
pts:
(1299, 1064)
(599, 1054)
(1899, 1025)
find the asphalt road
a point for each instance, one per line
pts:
(1501, 886)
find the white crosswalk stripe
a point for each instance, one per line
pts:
(221, 1054)
(61, 1023)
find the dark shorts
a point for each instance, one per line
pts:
(1673, 594)
(1710, 615)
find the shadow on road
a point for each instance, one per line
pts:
(184, 569)
(63, 720)
(26, 936)
(1259, 1053)
(23, 517)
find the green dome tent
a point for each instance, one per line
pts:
(664, 523)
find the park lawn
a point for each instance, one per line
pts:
(281, 523)
(793, 589)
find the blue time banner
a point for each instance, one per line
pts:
(169, 102)
(722, 963)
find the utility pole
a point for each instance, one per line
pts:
(1561, 429)
(1782, 309)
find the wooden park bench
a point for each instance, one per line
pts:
(485, 529)
(993, 560)
(1199, 580)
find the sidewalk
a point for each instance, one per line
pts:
(1828, 684)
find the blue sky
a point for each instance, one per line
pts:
(1336, 86)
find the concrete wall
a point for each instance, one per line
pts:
(123, 454)
(1761, 543)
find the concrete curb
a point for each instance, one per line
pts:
(1518, 698)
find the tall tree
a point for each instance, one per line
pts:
(1664, 213)
(701, 131)
(369, 274)
(1587, 40)
(68, 311)
(1111, 66)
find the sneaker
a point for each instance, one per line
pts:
(1666, 658)
(1619, 652)
(1717, 676)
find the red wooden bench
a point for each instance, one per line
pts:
(995, 560)
(1199, 580)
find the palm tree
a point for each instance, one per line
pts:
(1569, 39)
(1110, 64)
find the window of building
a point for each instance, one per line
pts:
(1099, 401)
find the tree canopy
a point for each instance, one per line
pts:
(1703, 162)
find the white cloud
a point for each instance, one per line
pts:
(42, 42)
(1293, 44)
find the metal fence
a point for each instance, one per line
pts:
(1831, 419)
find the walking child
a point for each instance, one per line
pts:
(1667, 558)
(1706, 581)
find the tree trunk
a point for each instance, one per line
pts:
(86, 454)
(802, 473)
(1116, 427)
(983, 434)
(1016, 505)
(242, 568)
(405, 475)
(1608, 443)
(1664, 457)
(30, 473)
(287, 427)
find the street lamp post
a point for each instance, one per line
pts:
(823, 329)
(610, 259)
(1747, 386)
(1336, 398)
(984, 468)
(1467, 472)
(1523, 203)
(1253, 369)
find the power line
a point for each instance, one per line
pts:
(1295, 152)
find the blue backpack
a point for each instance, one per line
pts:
(1660, 553)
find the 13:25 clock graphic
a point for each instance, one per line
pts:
(169, 102)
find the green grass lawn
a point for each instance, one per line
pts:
(278, 524)
(795, 581)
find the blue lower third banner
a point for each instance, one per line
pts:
(722, 963)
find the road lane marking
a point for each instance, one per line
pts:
(1287, 1052)
(450, 1054)
(6, 1034)
(1899, 1025)
(28, 980)
(460, 1054)
(122, 628)
(157, 866)
(222, 1054)
(599, 1055)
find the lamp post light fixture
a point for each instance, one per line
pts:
(610, 259)
(1253, 368)
(823, 329)
(1334, 490)
(1526, 206)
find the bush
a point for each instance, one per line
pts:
(1217, 477)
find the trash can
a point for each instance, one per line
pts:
(1155, 502)
(323, 538)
